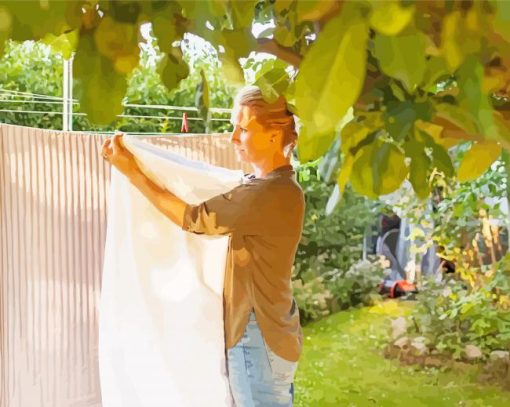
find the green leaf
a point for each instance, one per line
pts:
(442, 160)
(345, 172)
(353, 136)
(202, 102)
(198, 12)
(330, 164)
(397, 91)
(389, 17)
(218, 7)
(440, 157)
(289, 95)
(173, 69)
(281, 6)
(402, 57)
(312, 145)
(471, 97)
(332, 73)
(502, 18)
(360, 133)
(418, 175)
(477, 160)
(475, 101)
(312, 10)
(118, 42)
(126, 11)
(238, 43)
(460, 37)
(378, 170)
(284, 36)
(389, 170)
(164, 26)
(102, 87)
(435, 70)
(333, 200)
(231, 68)
(32, 20)
(242, 12)
(272, 79)
(399, 119)
(5, 27)
(457, 116)
(64, 44)
(419, 168)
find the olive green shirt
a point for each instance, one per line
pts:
(264, 219)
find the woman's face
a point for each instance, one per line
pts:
(253, 143)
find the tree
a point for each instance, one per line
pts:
(414, 78)
(32, 67)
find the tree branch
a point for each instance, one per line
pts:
(285, 54)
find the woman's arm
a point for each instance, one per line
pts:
(122, 159)
(167, 203)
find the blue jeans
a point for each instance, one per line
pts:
(257, 376)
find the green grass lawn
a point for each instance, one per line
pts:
(342, 365)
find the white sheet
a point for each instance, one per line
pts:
(161, 337)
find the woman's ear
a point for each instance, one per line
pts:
(274, 137)
(287, 150)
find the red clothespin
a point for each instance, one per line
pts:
(184, 126)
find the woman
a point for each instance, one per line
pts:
(263, 217)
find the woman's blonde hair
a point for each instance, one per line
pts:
(275, 115)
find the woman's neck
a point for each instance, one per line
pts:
(261, 169)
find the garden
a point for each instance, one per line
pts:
(402, 274)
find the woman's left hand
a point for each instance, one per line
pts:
(119, 156)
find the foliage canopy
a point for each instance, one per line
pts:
(420, 76)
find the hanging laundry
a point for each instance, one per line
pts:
(54, 192)
(161, 340)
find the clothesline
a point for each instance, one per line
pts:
(120, 115)
(48, 102)
(29, 94)
(54, 99)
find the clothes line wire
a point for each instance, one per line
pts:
(121, 115)
(144, 106)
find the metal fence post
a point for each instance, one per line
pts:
(67, 86)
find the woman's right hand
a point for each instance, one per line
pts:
(119, 156)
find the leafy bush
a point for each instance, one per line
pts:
(325, 275)
(31, 67)
(466, 224)
(334, 241)
(452, 315)
(466, 217)
(358, 285)
(313, 298)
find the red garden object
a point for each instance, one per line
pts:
(184, 126)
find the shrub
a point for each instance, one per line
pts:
(453, 314)
(358, 285)
(329, 246)
(334, 241)
(312, 298)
